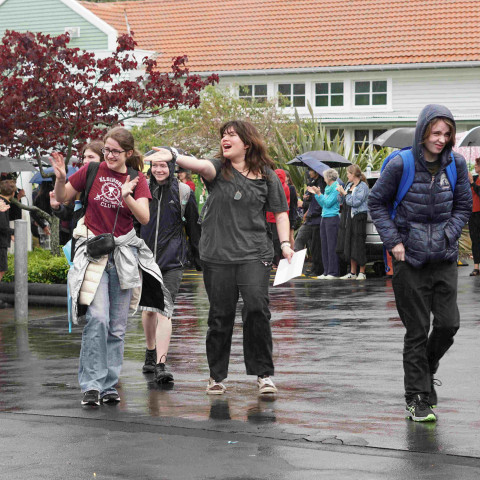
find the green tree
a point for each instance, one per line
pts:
(196, 130)
(309, 135)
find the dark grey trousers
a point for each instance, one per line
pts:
(420, 292)
(224, 283)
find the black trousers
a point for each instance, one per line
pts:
(420, 292)
(474, 228)
(223, 283)
(309, 236)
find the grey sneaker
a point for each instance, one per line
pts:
(361, 276)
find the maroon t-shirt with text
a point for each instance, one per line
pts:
(104, 197)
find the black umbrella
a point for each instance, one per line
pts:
(9, 164)
(396, 138)
(471, 138)
(331, 159)
(316, 165)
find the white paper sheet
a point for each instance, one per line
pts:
(287, 271)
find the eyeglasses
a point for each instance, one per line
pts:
(115, 153)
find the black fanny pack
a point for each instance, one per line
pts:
(100, 245)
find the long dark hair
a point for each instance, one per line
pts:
(125, 139)
(256, 156)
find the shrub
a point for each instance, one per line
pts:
(43, 267)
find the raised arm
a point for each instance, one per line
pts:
(203, 167)
(63, 192)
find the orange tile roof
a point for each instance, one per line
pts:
(232, 35)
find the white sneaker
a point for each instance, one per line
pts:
(266, 385)
(331, 277)
(361, 276)
(321, 277)
(349, 276)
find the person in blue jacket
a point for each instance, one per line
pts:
(166, 235)
(422, 239)
(330, 223)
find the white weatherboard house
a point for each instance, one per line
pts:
(365, 66)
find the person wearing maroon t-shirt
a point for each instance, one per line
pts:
(101, 355)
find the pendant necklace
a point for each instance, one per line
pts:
(238, 193)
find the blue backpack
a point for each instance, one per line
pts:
(409, 174)
(407, 179)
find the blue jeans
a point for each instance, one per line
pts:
(101, 355)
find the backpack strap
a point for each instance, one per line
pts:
(451, 171)
(92, 171)
(406, 181)
(184, 192)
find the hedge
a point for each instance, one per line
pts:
(43, 267)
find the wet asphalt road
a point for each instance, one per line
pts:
(339, 412)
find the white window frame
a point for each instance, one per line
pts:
(253, 96)
(292, 107)
(329, 107)
(386, 107)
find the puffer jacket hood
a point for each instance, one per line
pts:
(427, 114)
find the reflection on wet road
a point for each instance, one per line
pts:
(338, 358)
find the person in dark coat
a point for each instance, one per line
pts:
(422, 238)
(166, 235)
(309, 233)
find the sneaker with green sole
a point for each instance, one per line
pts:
(418, 409)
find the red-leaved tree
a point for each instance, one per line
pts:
(53, 97)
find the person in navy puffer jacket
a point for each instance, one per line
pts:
(165, 236)
(423, 241)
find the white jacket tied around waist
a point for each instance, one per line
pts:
(133, 272)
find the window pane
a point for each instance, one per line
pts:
(321, 101)
(336, 88)
(361, 135)
(337, 100)
(245, 91)
(298, 101)
(285, 89)
(321, 88)
(261, 99)
(379, 87)
(362, 99)
(299, 89)
(376, 133)
(379, 99)
(362, 87)
(336, 133)
(260, 90)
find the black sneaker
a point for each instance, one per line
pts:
(162, 375)
(91, 397)
(111, 398)
(432, 398)
(419, 410)
(150, 361)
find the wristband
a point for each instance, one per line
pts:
(285, 244)
(174, 153)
